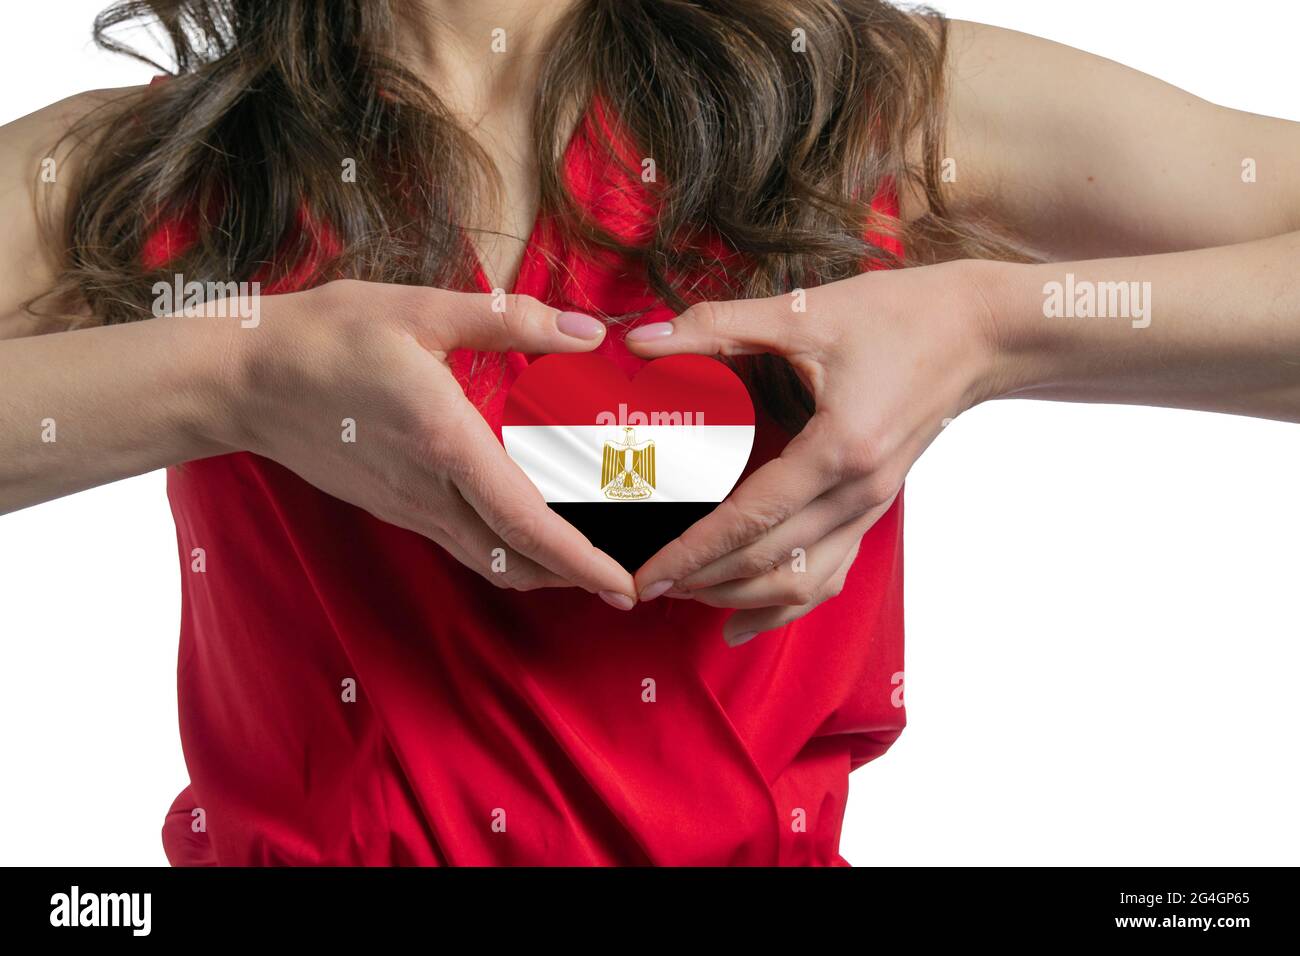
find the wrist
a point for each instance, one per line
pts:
(1007, 299)
(222, 352)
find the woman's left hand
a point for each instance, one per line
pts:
(889, 357)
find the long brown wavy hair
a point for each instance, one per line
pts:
(774, 149)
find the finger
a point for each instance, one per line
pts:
(499, 323)
(778, 489)
(793, 583)
(736, 327)
(513, 508)
(476, 547)
(852, 503)
(744, 626)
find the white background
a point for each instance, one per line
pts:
(1102, 602)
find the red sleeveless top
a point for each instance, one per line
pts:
(499, 727)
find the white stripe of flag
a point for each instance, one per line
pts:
(692, 462)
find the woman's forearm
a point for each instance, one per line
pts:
(346, 385)
(1212, 329)
(83, 408)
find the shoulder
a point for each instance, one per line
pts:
(39, 133)
(39, 156)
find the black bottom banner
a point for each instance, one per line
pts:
(1222, 907)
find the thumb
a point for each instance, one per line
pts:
(512, 323)
(735, 327)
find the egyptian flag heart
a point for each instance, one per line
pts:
(630, 463)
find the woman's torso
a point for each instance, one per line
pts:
(350, 694)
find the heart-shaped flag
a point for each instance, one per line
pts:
(630, 463)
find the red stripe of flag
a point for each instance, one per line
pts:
(577, 389)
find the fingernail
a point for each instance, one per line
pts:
(681, 595)
(617, 599)
(656, 589)
(579, 326)
(650, 332)
(735, 640)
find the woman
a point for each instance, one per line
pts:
(391, 650)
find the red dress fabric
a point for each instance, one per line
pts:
(491, 726)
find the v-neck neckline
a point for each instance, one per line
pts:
(527, 262)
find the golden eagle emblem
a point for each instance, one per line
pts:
(627, 470)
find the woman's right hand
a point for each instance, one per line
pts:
(423, 457)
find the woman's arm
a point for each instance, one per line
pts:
(1076, 157)
(84, 408)
(81, 408)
